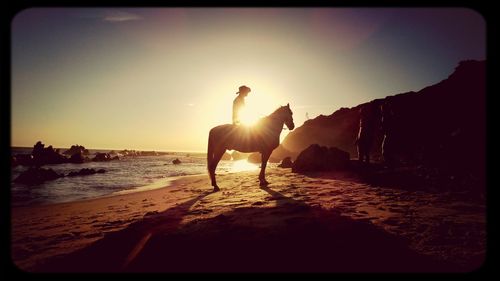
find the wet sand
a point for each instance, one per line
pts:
(315, 223)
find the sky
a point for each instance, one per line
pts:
(160, 78)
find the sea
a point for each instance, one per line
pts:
(129, 174)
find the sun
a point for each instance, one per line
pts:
(248, 116)
(257, 105)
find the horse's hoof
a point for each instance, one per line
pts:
(264, 183)
(216, 188)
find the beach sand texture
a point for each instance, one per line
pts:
(299, 223)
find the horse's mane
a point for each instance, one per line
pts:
(276, 111)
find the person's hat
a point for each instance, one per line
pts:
(243, 89)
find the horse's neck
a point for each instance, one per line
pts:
(275, 123)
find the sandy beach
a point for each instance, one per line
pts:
(316, 223)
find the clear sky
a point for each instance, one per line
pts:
(160, 78)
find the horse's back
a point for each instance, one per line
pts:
(239, 137)
(222, 128)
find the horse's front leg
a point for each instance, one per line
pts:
(262, 175)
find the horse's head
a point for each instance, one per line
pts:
(288, 116)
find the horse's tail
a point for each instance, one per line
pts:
(210, 150)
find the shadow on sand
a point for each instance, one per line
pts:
(289, 237)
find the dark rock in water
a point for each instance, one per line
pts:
(42, 155)
(102, 157)
(286, 163)
(13, 161)
(176, 161)
(321, 158)
(37, 176)
(86, 172)
(77, 158)
(76, 149)
(24, 159)
(148, 153)
(126, 152)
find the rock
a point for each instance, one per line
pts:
(76, 149)
(102, 157)
(273, 159)
(42, 156)
(320, 158)
(13, 161)
(441, 126)
(85, 172)
(236, 155)
(37, 176)
(148, 153)
(77, 158)
(286, 163)
(176, 161)
(279, 153)
(256, 158)
(24, 159)
(226, 156)
(126, 152)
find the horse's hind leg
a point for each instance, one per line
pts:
(262, 175)
(211, 171)
(213, 166)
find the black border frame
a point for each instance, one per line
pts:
(487, 11)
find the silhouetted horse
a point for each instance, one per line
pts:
(262, 137)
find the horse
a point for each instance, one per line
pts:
(262, 137)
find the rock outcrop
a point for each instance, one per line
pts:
(226, 156)
(76, 149)
(46, 155)
(36, 175)
(236, 155)
(441, 126)
(318, 158)
(103, 157)
(256, 158)
(77, 158)
(286, 163)
(86, 172)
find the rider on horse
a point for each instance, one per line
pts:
(239, 103)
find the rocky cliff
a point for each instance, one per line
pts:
(442, 125)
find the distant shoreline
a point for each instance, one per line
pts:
(120, 149)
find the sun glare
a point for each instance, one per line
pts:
(243, 165)
(257, 105)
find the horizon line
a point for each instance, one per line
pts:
(121, 149)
